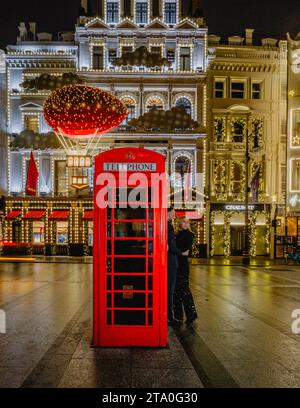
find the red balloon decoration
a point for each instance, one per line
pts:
(83, 111)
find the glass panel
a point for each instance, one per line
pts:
(131, 229)
(108, 299)
(130, 213)
(150, 283)
(150, 317)
(130, 299)
(150, 300)
(132, 247)
(108, 282)
(108, 265)
(61, 232)
(108, 316)
(130, 265)
(127, 317)
(137, 282)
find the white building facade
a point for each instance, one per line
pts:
(122, 27)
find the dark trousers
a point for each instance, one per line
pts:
(183, 298)
(172, 274)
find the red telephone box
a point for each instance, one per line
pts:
(130, 249)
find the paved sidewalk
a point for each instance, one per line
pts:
(48, 341)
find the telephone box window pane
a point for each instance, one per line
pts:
(150, 300)
(137, 282)
(150, 214)
(130, 299)
(108, 265)
(132, 247)
(108, 283)
(130, 213)
(150, 283)
(130, 229)
(108, 213)
(108, 247)
(124, 194)
(108, 315)
(130, 265)
(131, 318)
(150, 247)
(150, 265)
(150, 317)
(108, 299)
(108, 227)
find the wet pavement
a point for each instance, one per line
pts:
(243, 336)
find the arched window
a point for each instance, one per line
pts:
(154, 102)
(131, 105)
(184, 103)
(182, 168)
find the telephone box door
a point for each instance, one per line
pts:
(130, 290)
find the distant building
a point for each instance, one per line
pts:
(289, 222)
(246, 99)
(59, 219)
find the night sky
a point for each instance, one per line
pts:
(224, 17)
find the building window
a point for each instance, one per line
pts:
(131, 105)
(154, 103)
(62, 232)
(156, 50)
(112, 12)
(170, 13)
(112, 55)
(126, 48)
(185, 104)
(60, 182)
(185, 59)
(238, 89)
(238, 132)
(38, 236)
(182, 168)
(256, 90)
(98, 59)
(219, 90)
(171, 56)
(31, 122)
(141, 13)
(295, 175)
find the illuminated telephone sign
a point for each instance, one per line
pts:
(130, 249)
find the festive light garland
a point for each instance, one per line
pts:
(219, 180)
(220, 129)
(257, 129)
(79, 110)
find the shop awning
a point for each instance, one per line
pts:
(190, 215)
(13, 214)
(88, 215)
(59, 215)
(34, 215)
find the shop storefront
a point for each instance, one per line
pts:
(287, 235)
(227, 224)
(48, 227)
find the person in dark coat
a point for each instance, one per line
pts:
(173, 254)
(183, 298)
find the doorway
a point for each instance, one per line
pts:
(236, 240)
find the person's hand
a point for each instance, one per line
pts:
(186, 253)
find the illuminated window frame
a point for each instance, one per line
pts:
(119, 11)
(148, 11)
(185, 45)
